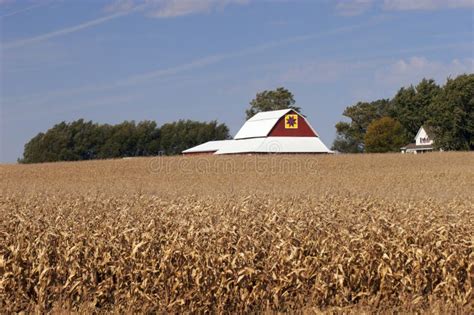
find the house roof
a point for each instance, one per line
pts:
(428, 130)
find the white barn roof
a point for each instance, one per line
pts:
(261, 124)
(263, 145)
(211, 146)
(253, 138)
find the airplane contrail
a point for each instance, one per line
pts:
(67, 30)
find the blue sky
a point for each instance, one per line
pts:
(165, 60)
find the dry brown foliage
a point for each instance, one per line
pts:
(369, 233)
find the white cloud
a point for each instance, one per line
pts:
(426, 4)
(172, 8)
(356, 7)
(410, 71)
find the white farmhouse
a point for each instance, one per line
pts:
(423, 142)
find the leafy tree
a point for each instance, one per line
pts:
(452, 114)
(83, 140)
(347, 140)
(277, 99)
(148, 138)
(410, 106)
(183, 134)
(80, 140)
(34, 150)
(54, 145)
(384, 135)
(350, 135)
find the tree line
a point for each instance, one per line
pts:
(85, 140)
(385, 125)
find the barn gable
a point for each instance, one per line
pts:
(301, 128)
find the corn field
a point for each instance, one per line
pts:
(312, 234)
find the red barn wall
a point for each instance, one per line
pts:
(304, 130)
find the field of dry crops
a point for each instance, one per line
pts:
(314, 234)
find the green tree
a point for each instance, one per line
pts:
(184, 134)
(410, 106)
(148, 138)
(384, 135)
(119, 141)
(347, 139)
(277, 99)
(33, 151)
(83, 143)
(80, 140)
(54, 145)
(350, 135)
(452, 114)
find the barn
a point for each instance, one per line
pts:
(281, 131)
